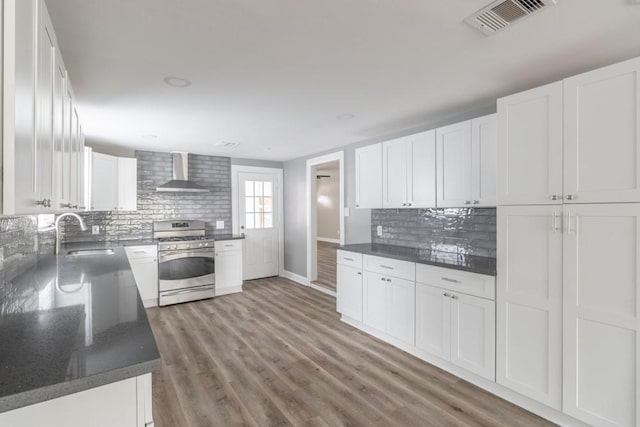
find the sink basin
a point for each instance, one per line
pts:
(91, 252)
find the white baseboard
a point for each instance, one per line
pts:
(229, 290)
(328, 240)
(531, 405)
(151, 302)
(301, 280)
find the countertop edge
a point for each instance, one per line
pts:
(349, 248)
(43, 394)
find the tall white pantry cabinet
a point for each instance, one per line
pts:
(568, 291)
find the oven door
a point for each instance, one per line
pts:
(186, 269)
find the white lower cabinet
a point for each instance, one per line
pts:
(144, 266)
(601, 300)
(456, 327)
(228, 264)
(389, 305)
(529, 295)
(349, 292)
(126, 403)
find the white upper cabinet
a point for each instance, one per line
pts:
(484, 160)
(394, 173)
(114, 183)
(530, 147)
(602, 135)
(369, 176)
(104, 180)
(529, 302)
(409, 171)
(454, 165)
(601, 372)
(40, 123)
(127, 184)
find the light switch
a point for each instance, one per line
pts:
(219, 225)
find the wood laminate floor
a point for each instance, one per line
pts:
(277, 354)
(327, 264)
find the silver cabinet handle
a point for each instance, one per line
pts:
(388, 280)
(454, 296)
(447, 279)
(382, 278)
(467, 202)
(476, 202)
(447, 294)
(404, 204)
(555, 222)
(571, 197)
(408, 204)
(359, 273)
(348, 259)
(387, 267)
(555, 197)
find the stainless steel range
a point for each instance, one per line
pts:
(186, 261)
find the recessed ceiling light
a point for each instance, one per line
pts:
(177, 82)
(346, 116)
(150, 136)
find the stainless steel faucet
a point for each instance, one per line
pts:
(83, 227)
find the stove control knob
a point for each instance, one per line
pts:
(206, 244)
(175, 246)
(188, 246)
(200, 245)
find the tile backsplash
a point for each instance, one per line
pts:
(466, 231)
(155, 169)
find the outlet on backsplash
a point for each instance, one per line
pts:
(379, 231)
(95, 229)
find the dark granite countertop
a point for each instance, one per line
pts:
(471, 263)
(68, 324)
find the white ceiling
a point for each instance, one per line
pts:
(273, 75)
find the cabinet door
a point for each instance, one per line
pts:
(45, 66)
(20, 190)
(105, 182)
(530, 147)
(433, 320)
(421, 163)
(401, 305)
(454, 165)
(145, 273)
(67, 135)
(82, 201)
(75, 161)
(374, 300)
(473, 334)
(529, 302)
(228, 271)
(600, 314)
(349, 292)
(484, 160)
(394, 173)
(61, 198)
(127, 184)
(601, 140)
(369, 177)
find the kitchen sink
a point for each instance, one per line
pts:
(90, 252)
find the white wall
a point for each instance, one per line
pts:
(328, 205)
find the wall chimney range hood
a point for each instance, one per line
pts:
(180, 182)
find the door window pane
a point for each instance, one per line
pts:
(268, 204)
(258, 188)
(249, 205)
(268, 189)
(259, 220)
(248, 188)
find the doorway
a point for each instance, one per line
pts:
(325, 213)
(257, 213)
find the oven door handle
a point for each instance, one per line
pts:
(188, 290)
(168, 256)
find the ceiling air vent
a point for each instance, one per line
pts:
(502, 13)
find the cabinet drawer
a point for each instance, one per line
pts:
(229, 245)
(134, 252)
(460, 281)
(350, 259)
(390, 267)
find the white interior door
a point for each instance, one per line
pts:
(258, 219)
